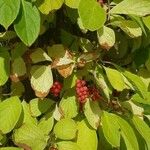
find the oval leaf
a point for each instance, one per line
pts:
(92, 112)
(115, 78)
(97, 16)
(132, 7)
(106, 37)
(69, 105)
(10, 111)
(41, 80)
(28, 28)
(12, 9)
(65, 129)
(67, 145)
(5, 67)
(111, 129)
(30, 137)
(87, 137)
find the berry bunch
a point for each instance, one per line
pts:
(82, 91)
(56, 88)
(94, 93)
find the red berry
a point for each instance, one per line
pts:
(81, 91)
(56, 88)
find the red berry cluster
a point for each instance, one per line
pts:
(82, 91)
(94, 93)
(56, 88)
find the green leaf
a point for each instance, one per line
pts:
(87, 137)
(72, 3)
(100, 78)
(39, 55)
(38, 106)
(28, 28)
(111, 129)
(10, 148)
(102, 142)
(65, 129)
(142, 128)
(56, 51)
(68, 105)
(31, 137)
(9, 11)
(106, 37)
(41, 80)
(27, 118)
(135, 109)
(137, 82)
(115, 78)
(19, 50)
(132, 7)
(92, 112)
(130, 27)
(46, 6)
(128, 134)
(139, 99)
(46, 123)
(67, 145)
(10, 111)
(17, 89)
(97, 16)
(4, 66)
(146, 21)
(18, 67)
(8, 35)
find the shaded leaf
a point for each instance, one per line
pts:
(38, 107)
(46, 123)
(39, 55)
(41, 80)
(5, 66)
(92, 112)
(142, 128)
(68, 105)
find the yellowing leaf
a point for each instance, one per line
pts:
(10, 111)
(46, 6)
(39, 55)
(115, 78)
(106, 37)
(65, 129)
(18, 69)
(87, 137)
(132, 7)
(30, 137)
(72, 3)
(41, 80)
(67, 145)
(92, 15)
(92, 112)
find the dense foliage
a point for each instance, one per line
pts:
(75, 75)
